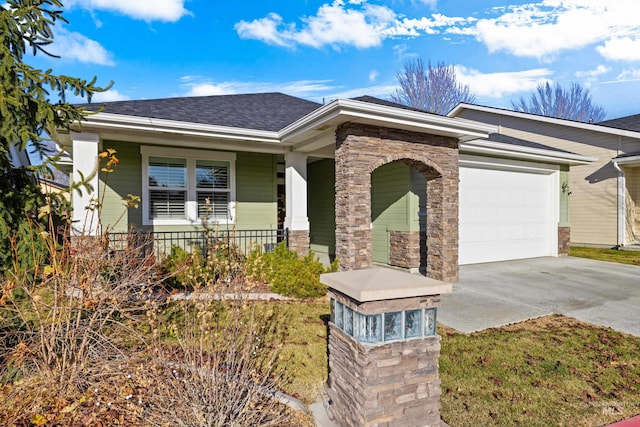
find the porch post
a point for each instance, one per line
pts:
(85, 162)
(296, 219)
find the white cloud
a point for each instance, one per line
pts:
(598, 71)
(406, 27)
(109, 96)
(156, 10)
(266, 30)
(621, 49)
(402, 53)
(628, 74)
(197, 86)
(373, 75)
(497, 85)
(356, 23)
(334, 24)
(77, 47)
(544, 29)
(591, 76)
(540, 29)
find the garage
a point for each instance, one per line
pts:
(508, 210)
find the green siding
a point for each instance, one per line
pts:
(256, 191)
(256, 206)
(125, 179)
(321, 202)
(394, 207)
(564, 197)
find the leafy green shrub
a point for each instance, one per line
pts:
(289, 274)
(223, 262)
(177, 265)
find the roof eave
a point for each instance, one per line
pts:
(524, 153)
(627, 161)
(344, 110)
(544, 119)
(110, 121)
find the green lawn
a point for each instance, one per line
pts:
(611, 255)
(549, 371)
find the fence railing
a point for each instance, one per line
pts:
(160, 243)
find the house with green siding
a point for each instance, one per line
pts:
(259, 164)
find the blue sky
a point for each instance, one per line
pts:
(344, 48)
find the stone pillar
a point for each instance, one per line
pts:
(564, 240)
(296, 219)
(404, 249)
(85, 164)
(360, 149)
(383, 348)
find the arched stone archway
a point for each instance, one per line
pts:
(360, 149)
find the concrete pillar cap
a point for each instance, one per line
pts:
(377, 284)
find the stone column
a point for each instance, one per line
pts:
(296, 219)
(564, 240)
(383, 348)
(85, 164)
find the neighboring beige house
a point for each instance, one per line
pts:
(604, 197)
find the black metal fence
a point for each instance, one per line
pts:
(160, 243)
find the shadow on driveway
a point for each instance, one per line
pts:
(496, 294)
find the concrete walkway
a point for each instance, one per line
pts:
(496, 294)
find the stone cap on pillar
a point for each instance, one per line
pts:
(378, 283)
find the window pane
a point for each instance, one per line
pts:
(166, 204)
(393, 326)
(166, 172)
(430, 321)
(412, 323)
(210, 174)
(339, 318)
(348, 321)
(213, 205)
(367, 329)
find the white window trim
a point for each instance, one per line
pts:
(192, 204)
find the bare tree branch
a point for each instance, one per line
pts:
(572, 104)
(434, 89)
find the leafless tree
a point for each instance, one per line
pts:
(573, 104)
(434, 89)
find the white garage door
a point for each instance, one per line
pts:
(506, 214)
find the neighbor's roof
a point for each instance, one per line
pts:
(627, 122)
(595, 127)
(503, 145)
(506, 139)
(260, 111)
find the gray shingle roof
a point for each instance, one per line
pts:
(627, 123)
(374, 100)
(260, 111)
(505, 139)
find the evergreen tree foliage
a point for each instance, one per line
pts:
(27, 113)
(572, 104)
(434, 89)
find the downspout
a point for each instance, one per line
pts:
(621, 200)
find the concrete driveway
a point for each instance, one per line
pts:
(500, 293)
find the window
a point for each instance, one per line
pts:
(212, 185)
(167, 188)
(187, 186)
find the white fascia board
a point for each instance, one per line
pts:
(627, 161)
(125, 122)
(390, 116)
(525, 153)
(544, 119)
